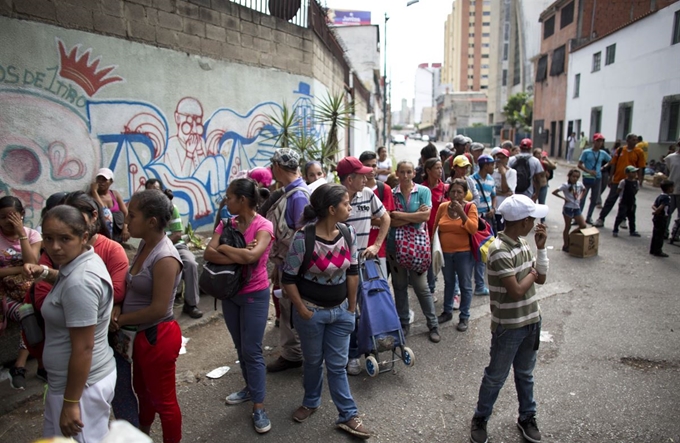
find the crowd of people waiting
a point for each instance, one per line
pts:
(88, 298)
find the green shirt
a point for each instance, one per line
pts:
(175, 224)
(508, 257)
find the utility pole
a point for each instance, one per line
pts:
(384, 91)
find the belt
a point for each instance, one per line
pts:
(309, 304)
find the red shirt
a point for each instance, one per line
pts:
(388, 203)
(438, 197)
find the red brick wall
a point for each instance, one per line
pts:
(613, 14)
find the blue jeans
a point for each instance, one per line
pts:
(246, 318)
(510, 348)
(595, 186)
(457, 272)
(480, 286)
(431, 279)
(542, 197)
(400, 280)
(325, 338)
(124, 402)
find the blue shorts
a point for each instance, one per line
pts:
(571, 212)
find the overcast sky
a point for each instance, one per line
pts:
(415, 35)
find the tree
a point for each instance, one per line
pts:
(519, 111)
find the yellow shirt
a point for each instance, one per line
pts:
(645, 149)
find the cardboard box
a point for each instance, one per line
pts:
(584, 243)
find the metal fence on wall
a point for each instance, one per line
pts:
(293, 11)
(479, 134)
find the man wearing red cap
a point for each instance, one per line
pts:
(366, 206)
(529, 170)
(590, 163)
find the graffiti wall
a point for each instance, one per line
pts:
(72, 102)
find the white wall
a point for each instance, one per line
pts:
(647, 68)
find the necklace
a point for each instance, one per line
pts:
(244, 223)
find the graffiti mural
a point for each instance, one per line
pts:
(81, 107)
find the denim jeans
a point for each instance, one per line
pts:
(457, 271)
(612, 198)
(400, 280)
(542, 197)
(593, 187)
(431, 280)
(325, 338)
(510, 348)
(246, 318)
(480, 270)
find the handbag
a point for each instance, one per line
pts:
(225, 281)
(437, 253)
(413, 244)
(480, 240)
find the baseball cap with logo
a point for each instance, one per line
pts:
(526, 142)
(461, 161)
(519, 206)
(459, 140)
(598, 136)
(106, 173)
(485, 159)
(286, 158)
(351, 165)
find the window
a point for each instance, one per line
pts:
(597, 59)
(485, 45)
(542, 68)
(625, 120)
(485, 55)
(506, 31)
(486, 34)
(595, 120)
(483, 87)
(485, 77)
(505, 77)
(567, 15)
(506, 48)
(472, 13)
(517, 64)
(577, 85)
(676, 28)
(670, 119)
(471, 45)
(471, 34)
(610, 54)
(548, 27)
(485, 66)
(486, 13)
(486, 23)
(557, 66)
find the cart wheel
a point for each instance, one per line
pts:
(408, 356)
(371, 366)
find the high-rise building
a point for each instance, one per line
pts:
(467, 42)
(427, 88)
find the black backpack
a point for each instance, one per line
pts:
(381, 189)
(523, 174)
(225, 281)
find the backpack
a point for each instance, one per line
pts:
(225, 281)
(381, 189)
(283, 234)
(310, 239)
(523, 169)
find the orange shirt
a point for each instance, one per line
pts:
(454, 235)
(636, 157)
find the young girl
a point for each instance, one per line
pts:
(246, 314)
(384, 165)
(313, 172)
(573, 191)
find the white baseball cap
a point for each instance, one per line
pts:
(106, 173)
(518, 207)
(495, 151)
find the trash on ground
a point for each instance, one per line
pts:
(546, 336)
(218, 372)
(183, 349)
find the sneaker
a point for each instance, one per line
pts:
(530, 429)
(302, 413)
(355, 427)
(18, 378)
(478, 430)
(41, 374)
(635, 234)
(238, 397)
(434, 299)
(281, 364)
(462, 325)
(434, 335)
(444, 317)
(623, 225)
(598, 223)
(615, 233)
(192, 311)
(590, 221)
(483, 292)
(354, 366)
(261, 421)
(660, 254)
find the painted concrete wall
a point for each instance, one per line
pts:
(645, 70)
(145, 112)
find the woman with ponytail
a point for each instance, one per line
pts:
(324, 294)
(246, 313)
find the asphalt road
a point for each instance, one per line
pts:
(608, 372)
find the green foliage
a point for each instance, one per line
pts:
(397, 127)
(478, 125)
(519, 111)
(193, 238)
(332, 111)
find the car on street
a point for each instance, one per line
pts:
(415, 136)
(399, 138)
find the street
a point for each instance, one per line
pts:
(608, 370)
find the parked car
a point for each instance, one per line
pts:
(415, 136)
(399, 138)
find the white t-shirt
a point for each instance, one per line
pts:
(387, 164)
(510, 178)
(535, 168)
(673, 163)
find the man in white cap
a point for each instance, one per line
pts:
(515, 314)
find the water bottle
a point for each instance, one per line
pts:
(29, 324)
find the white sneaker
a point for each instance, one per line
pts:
(354, 366)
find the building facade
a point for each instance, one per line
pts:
(459, 110)
(427, 88)
(628, 81)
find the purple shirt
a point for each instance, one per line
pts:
(296, 204)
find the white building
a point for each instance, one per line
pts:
(427, 88)
(629, 81)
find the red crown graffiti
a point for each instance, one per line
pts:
(84, 73)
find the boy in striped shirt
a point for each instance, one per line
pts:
(515, 314)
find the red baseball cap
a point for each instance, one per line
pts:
(526, 142)
(351, 165)
(598, 136)
(504, 152)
